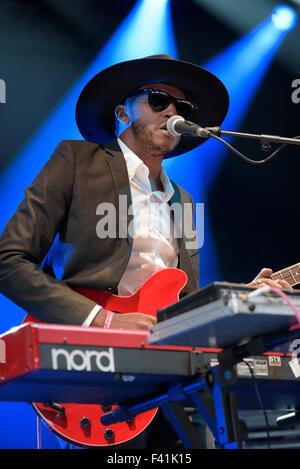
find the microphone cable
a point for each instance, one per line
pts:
(245, 158)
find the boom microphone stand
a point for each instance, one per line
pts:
(265, 140)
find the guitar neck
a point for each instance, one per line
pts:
(289, 274)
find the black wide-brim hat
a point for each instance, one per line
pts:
(95, 116)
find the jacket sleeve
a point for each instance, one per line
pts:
(28, 237)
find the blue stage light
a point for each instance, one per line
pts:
(147, 30)
(284, 17)
(242, 68)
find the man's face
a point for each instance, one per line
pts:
(148, 127)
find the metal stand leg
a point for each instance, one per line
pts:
(226, 437)
(203, 409)
(182, 425)
(235, 421)
(38, 432)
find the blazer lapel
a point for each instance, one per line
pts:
(118, 168)
(185, 262)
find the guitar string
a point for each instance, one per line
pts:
(286, 273)
(284, 276)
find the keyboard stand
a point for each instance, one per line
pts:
(210, 388)
(210, 394)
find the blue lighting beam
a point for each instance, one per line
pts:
(284, 18)
(242, 68)
(147, 30)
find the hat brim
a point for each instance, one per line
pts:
(95, 116)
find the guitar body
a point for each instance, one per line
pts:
(159, 291)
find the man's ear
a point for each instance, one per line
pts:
(121, 115)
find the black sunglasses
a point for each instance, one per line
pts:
(160, 100)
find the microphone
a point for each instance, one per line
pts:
(177, 125)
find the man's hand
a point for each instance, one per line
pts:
(263, 279)
(125, 321)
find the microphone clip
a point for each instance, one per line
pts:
(214, 130)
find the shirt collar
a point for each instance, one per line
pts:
(133, 162)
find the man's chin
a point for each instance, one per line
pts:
(167, 145)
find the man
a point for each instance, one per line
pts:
(52, 244)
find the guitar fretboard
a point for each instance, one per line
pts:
(289, 274)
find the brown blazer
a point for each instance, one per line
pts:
(50, 244)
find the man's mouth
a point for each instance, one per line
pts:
(164, 128)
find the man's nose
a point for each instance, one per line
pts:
(170, 110)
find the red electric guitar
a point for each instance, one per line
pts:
(160, 290)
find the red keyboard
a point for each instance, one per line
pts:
(90, 365)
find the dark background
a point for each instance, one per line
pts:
(46, 46)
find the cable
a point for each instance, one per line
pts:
(286, 298)
(260, 404)
(248, 160)
(266, 289)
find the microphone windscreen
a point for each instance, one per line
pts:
(171, 123)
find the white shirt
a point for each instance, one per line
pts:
(154, 246)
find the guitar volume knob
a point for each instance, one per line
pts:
(85, 422)
(109, 434)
